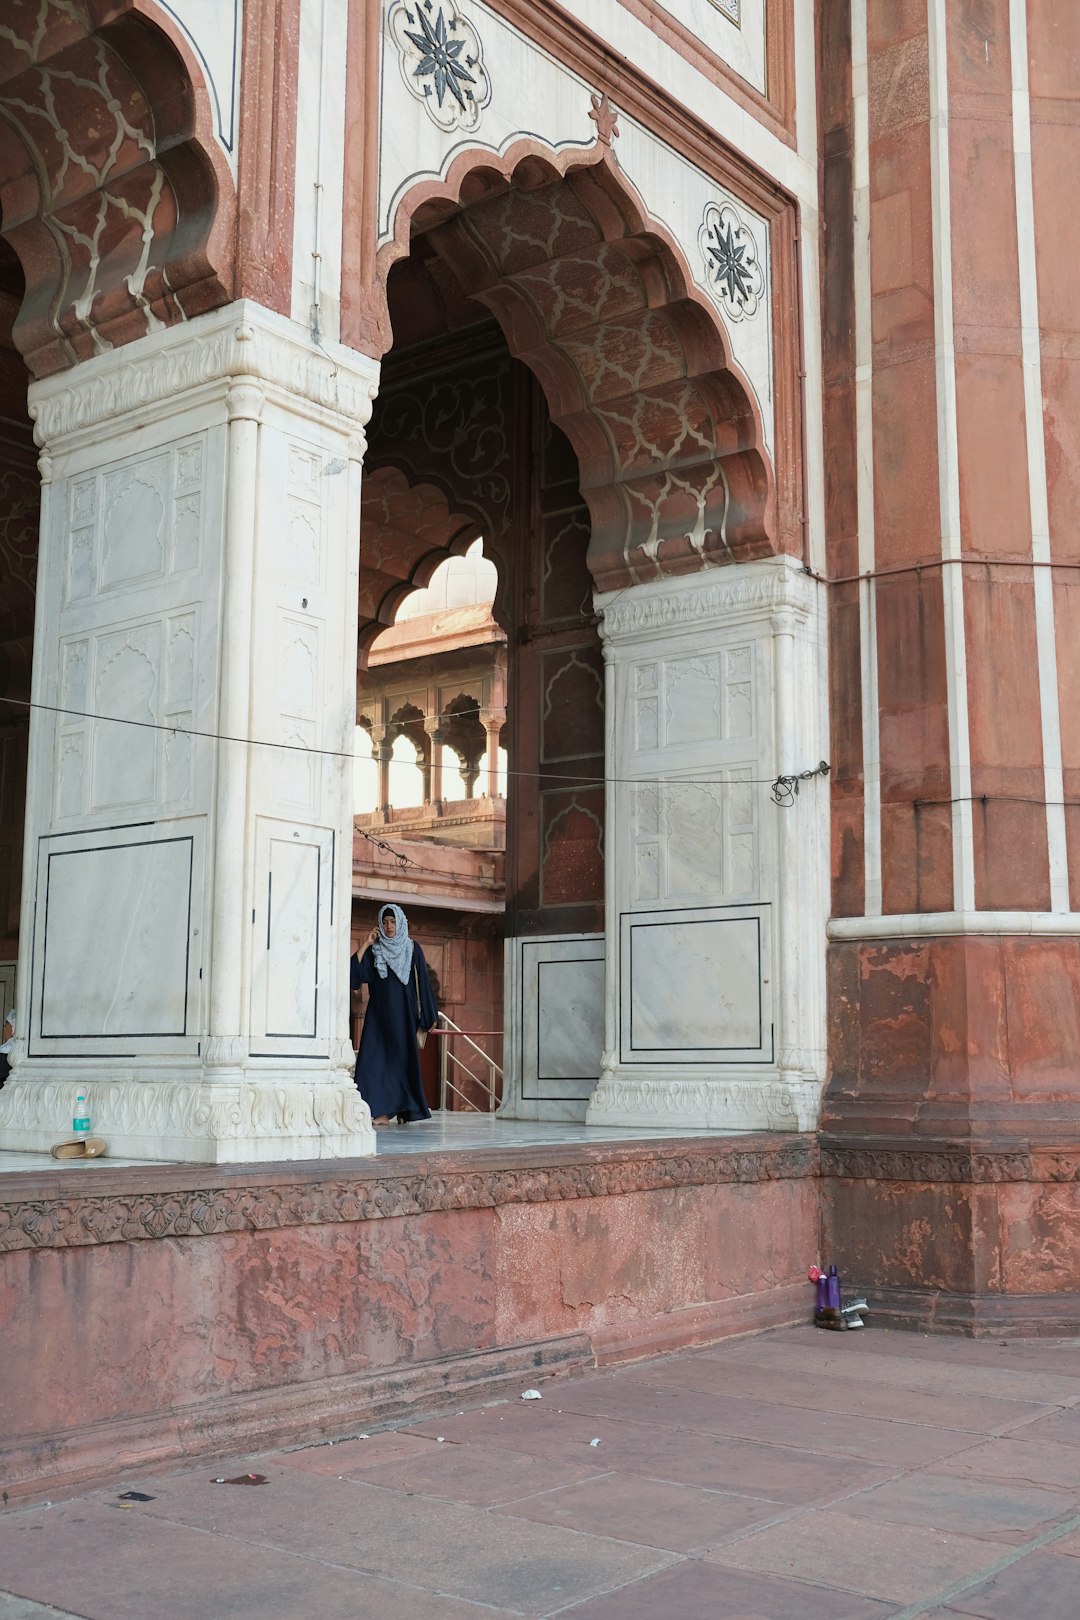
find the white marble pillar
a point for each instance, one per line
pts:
(715, 900)
(189, 821)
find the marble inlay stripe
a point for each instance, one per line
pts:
(1031, 348)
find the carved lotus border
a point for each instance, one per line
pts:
(240, 341)
(767, 589)
(85, 1219)
(937, 1165)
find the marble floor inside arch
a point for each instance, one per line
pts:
(444, 1132)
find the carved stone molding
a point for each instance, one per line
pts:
(786, 1104)
(241, 341)
(435, 1185)
(949, 1164)
(213, 1121)
(694, 600)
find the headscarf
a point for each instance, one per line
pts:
(10, 1019)
(393, 953)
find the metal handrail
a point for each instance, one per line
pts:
(490, 1086)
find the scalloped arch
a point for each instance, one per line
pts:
(406, 531)
(597, 299)
(114, 193)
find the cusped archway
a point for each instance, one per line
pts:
(406, 531)
(597, 299)
(114, 194)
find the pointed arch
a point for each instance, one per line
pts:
(114, 194)
(406, 531)
(597, 299)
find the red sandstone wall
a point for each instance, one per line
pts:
(951, 1123)
(302, 1322)
(219, 1316)
(962, 270)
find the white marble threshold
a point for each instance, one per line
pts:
(442, 1133)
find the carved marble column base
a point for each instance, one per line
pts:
(745, 1103)
(191, 1119)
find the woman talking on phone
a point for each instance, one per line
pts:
(401, 1009)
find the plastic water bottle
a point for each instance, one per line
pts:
(80, 1122)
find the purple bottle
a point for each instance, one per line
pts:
(821, 1294)
(832, 1289)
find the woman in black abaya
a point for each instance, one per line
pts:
(400, 1002)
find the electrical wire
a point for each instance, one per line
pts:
(404, 863)
(997, 798)
(572, 779)
(893, 570)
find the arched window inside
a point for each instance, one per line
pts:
(454, 785)
(464, 741)
(406, 774)
(466, 581)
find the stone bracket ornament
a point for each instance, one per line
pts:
(606, 119)
(731, 261)
(442, 61)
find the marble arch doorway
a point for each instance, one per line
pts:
(461, 443)
(700, 1002)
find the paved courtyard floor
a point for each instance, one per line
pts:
(798, 1475)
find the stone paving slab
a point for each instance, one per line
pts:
(344, 1456)
(1030, 1461)
(101, 1564)
(1022, 1355)
(897, 1563)
(870, 1439)
(648, 1512)
(401, 1537)
(483, 1476)
(699, 1591)
(17, 1608)
(775, 1473)
(1063, 1428)
(999, 1510)
(978, 1414)
(793, 1476)
(1007, 1378)
(1042, 1587)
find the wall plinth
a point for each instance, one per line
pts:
(245, 1308)
(950, 1144)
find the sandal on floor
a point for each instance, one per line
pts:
(80, 1147)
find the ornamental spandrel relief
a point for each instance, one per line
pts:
(732, 261)
(442, 61)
